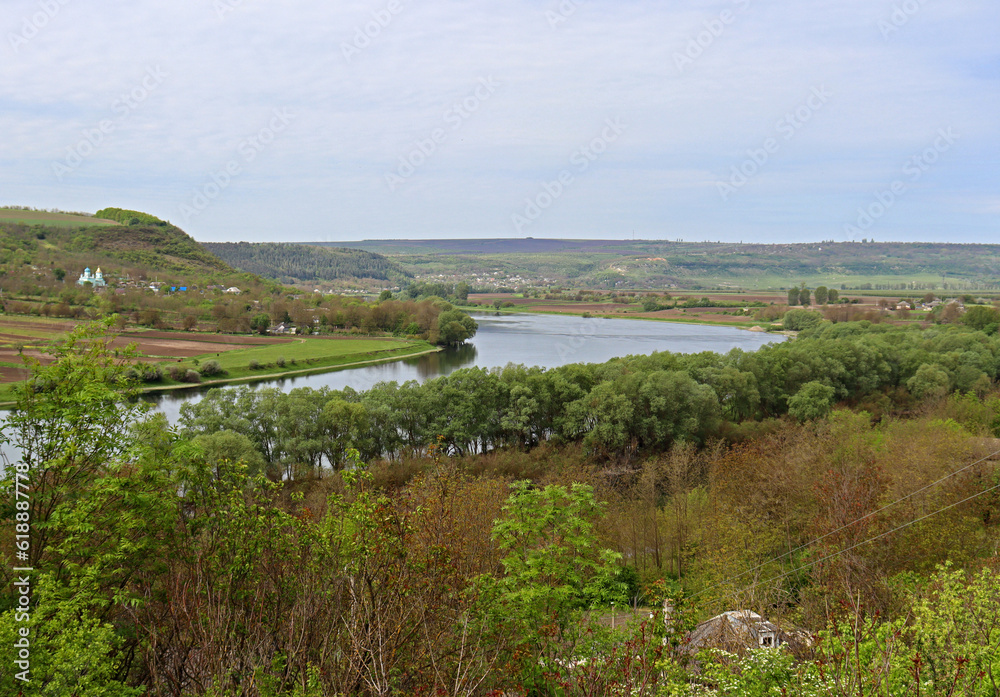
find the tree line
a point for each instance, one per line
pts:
(617, 410)
(291, 263)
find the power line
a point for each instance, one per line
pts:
(855, 522)
(871, 539)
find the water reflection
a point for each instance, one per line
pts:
(434, 364)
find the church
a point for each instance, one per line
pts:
(96, 280)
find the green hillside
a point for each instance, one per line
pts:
(295, 263)
(140, 249)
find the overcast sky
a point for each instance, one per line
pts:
(303, 120)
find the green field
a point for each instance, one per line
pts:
(10, 215)
(310, 353)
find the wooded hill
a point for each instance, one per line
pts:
(294, 263)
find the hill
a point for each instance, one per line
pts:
(663, 263)
(140, 249)
(295, 263)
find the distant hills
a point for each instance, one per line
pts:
(664, 263)
(295, 263)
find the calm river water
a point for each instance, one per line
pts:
(543, 340)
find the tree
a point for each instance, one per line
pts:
(930, 381)
(59, 273)
(260, 323)
(455, 327)
(982, 318)
(793, 296)
(92, 513)
(799, 319)
(803, 295)
(552, 568)
(385, 295)
(822, 295)
(812, 401)
(833, 296)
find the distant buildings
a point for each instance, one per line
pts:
(96, 280)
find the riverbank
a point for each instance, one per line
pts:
(292, 368)
(748, 324)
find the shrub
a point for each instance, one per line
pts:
(254, 364)
(797, 320)
(280, 361)
(211, 368)
(192, 376)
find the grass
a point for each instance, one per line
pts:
(309, 354)
(9, 215)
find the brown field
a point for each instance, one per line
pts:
(180, 345)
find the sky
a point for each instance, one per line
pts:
(300, 120)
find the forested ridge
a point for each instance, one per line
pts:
(290, 263)
(487, 532)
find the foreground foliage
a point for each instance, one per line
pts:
(170, 563)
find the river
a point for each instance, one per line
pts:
(543, 340)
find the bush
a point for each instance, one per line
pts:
(797, 320)
(211, 368)
(280, 361)
(254, 364)
(192, 376)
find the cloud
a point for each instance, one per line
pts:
(370, 80)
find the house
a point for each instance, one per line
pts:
(742, 630)
(233, 289)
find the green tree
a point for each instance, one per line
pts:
(799, 319)
(803, 295)
(385, 295)
(553, 567)
(982, 318)
(260, 323)
(833, 296)
(822, 295)
(930, 381)
(793, 296)
(455, 327)
(813, 401)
